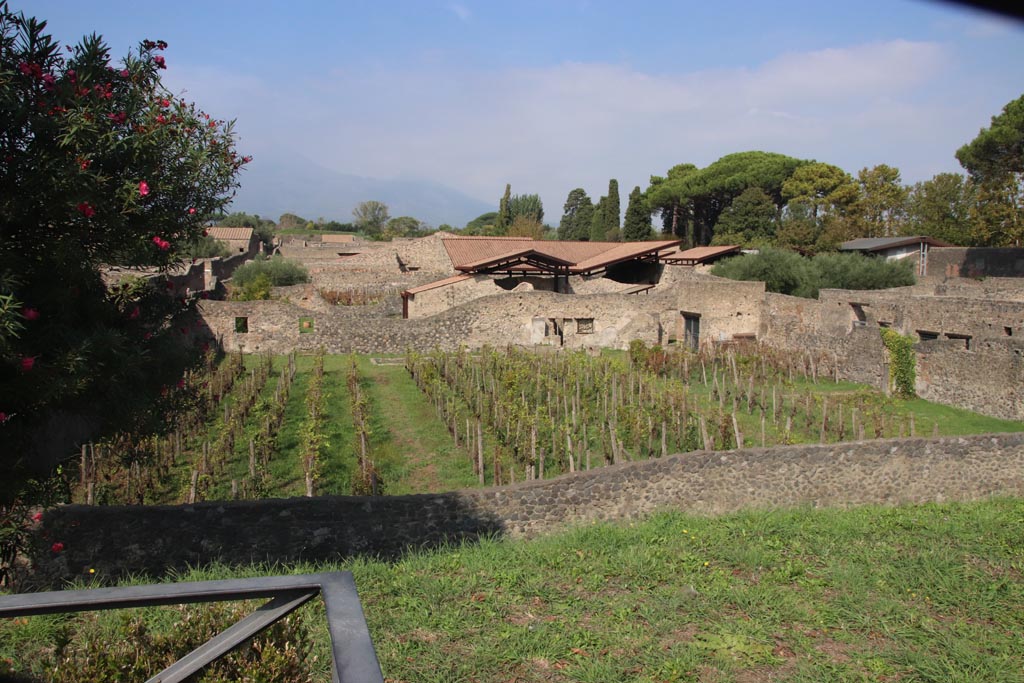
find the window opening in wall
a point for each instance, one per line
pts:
(965, 337)
(858, 312)
(925, 335)
(691, 329)
(556, 328)
(584, 326)
(884, 323)
(241, 325)
(1008, 331)
(305, 325)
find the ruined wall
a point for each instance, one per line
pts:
(726, 307)
(976, 262)
(827, 331)
(439, 299)
(118, 540)
(988, 379)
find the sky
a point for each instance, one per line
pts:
(557, 94)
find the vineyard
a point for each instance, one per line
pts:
(261, 426)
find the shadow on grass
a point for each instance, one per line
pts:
(118, 541)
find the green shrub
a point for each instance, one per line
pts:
(256, 289)
(782, 271)
(277, 269)
(902, 362)
(787, 272)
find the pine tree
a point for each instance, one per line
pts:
(578, 212)
(637, 225)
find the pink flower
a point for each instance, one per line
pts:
(134, 314)
(3, 417)
(37, 517)
(118, 118)
(160, 118)
(161, 243)
(181, 383)
(49, 82)
(143, 188)
(165, 103)
(147, 336)
(160, 62)
(124, 73)
(30, 314)
(192, 211)
(27, 363)
(57, 547)
(86, 210)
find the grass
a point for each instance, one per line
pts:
(927, 593)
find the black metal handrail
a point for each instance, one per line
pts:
(354, 657)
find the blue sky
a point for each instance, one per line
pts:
(568, 93)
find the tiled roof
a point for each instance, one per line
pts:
(879, 243)
(468, 253)
(221, 233)
(698, 254)
(439, 283)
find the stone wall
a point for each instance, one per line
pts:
(988, 378)
(976, 262)
(152, 539)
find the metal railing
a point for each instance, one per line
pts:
(354, 658)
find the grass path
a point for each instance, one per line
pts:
(409, 428)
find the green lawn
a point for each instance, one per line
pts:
(915, 593)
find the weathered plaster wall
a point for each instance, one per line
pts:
(119, 540)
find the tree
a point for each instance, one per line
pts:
(999, 149)
(370, 217)
(995, 161)
(823, 188)
(482, 224)
(576, 217)
(882, 205)
(750, 220)
(599, 221)
(528, 205)
(526, 226)
(100, 166)
(504, 220)
(637, 225)
(613, 210)
(290, 221)
(941, 208)
(403, 226)
(668, 195)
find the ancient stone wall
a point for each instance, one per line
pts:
(988, 378)
(976, 262)
(152, 539)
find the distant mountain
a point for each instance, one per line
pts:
(272, 186)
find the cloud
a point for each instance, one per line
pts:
(550, 129)
(461, 11)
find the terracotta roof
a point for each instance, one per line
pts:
(880, 243)
(222, 233)
(469, 253)
(697, 255)
(434, 285)
(336, 239)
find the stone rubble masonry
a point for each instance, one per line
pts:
(116, 541)
(976, 262)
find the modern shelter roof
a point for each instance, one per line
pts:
(697, 255)
(882, 243)
(477, 254)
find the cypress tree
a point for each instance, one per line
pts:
(505, 211)
(613, 210)
(637, 225)
(599, 222)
